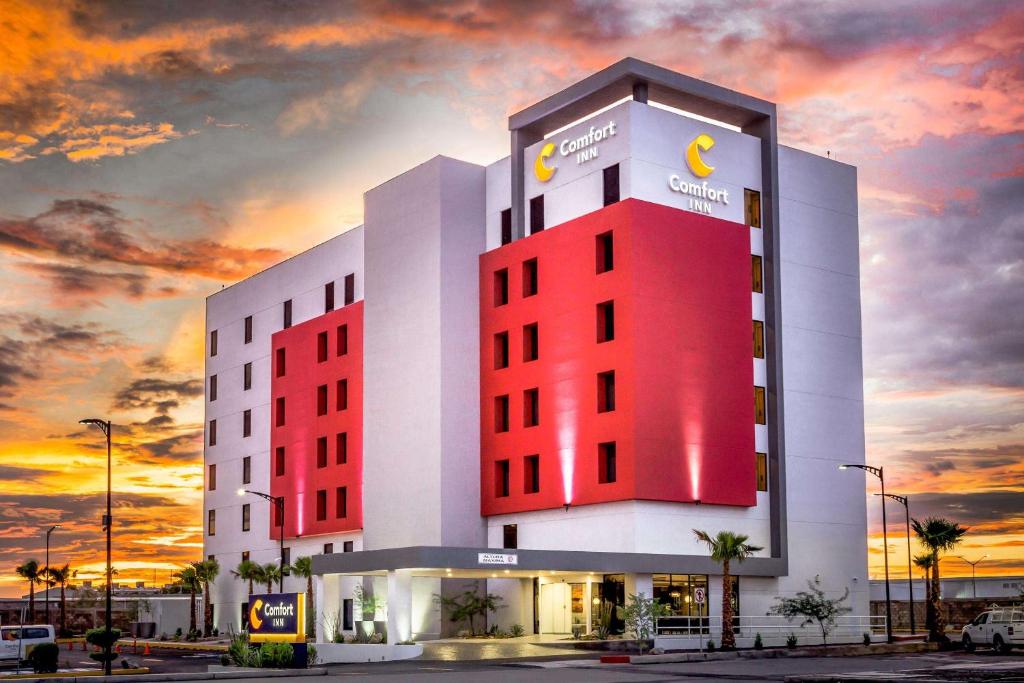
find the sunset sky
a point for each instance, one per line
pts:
(152, 152)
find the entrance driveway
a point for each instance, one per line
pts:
(472, 649)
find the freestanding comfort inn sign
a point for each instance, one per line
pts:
(280, 617)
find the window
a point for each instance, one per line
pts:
(213, 477)
(213, 432)
(605, 321)
(605, 247)
(246, 423)
(278, 514)
(501, 287)
(755, 262)
(245, 555)
(762, 471)
(247, 377)
(321, 451)
(341, 502)
(510, 536)
(501, 414)
(611, 184)
(501, 479)
(506, 226)
(759, 408)
(606, 391)
(280, 362)
(348, 547)
(286, 554)
(531, 407)
(321, 505)
(245, 516)
(536, 214)
(342, 402)
(758, 339)
(529, 277)
(501, 350)
(347, 618)
(606, 472)
(279, 411)
(321, 347)
(752, 202)
(531, 343)
(531, 474)
(321, 399)
(213, 343)
(213, 387)
(287, 314)
(342, 340)
(350, 288)
(328, 548)
(247, 470)
(328, 297)
(341, 448)
(279, 461)
(211, 523)
(248, 329)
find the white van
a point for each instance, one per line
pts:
(1001, 628)
(16, 642)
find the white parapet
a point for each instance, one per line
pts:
(342, 653)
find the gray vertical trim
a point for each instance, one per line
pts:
(521, 139)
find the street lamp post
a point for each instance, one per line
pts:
(974, 582)
(902, 500)
(104, 426)
(46, 571)
(278, 502)
(878, 472)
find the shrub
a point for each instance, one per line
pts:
(867, 638)
(277, 655)
(711, 646)
(44, 658)
(758, 643)
(517, 630)
(177, 632)
(216, 633)
(791, 640)
(241, 654)
(311, 656)
(225, 660)
(102, 639)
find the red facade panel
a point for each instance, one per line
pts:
(677, 291)
(322, 354)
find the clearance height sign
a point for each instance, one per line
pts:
(277, 617)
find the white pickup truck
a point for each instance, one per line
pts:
(16, 642)
(1001, 628)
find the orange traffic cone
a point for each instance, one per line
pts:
(146, 650)
(117, 648)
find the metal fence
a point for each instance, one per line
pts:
(774, 627)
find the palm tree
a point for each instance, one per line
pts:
(303, 567)
(271, 573)
(924, 563)
(725, 547)
(206, 572)
(938, 535)
(189, 580)
(61, 577)
(247, 570)
(31, 572)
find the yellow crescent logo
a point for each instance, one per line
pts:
(254, 614)
(701, 143)
(540, 169)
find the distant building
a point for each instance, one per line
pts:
(953, 587)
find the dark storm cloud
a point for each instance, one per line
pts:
(187, 447)
(158, 394)
(80, 282)
(976, 509)
(83, 230)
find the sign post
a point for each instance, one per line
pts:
(700, 597)
(279, 618)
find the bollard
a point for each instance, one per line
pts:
(135, 646)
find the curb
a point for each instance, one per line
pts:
(196, 676)
(776, 653)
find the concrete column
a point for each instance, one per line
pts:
(639, 584)
(318, 609)
(399, 606)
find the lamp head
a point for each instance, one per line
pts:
(242, 492)
(844, 467)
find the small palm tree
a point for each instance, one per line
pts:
(60, 577)
(271, 573)
(247, 570)
(938, 535)
(189, 580)
(725, 547)
(303, 567)
(206, 573)
(924, 563)
(31, 572)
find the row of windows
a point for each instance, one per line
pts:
(350, 297)
(246, 473)
(341, 512)
(246, 381)
(340, 503)
(340, 453)
(340, 402)
(604, 257)
(606, 471)
(610, 193)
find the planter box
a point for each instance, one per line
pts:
(339, 653)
